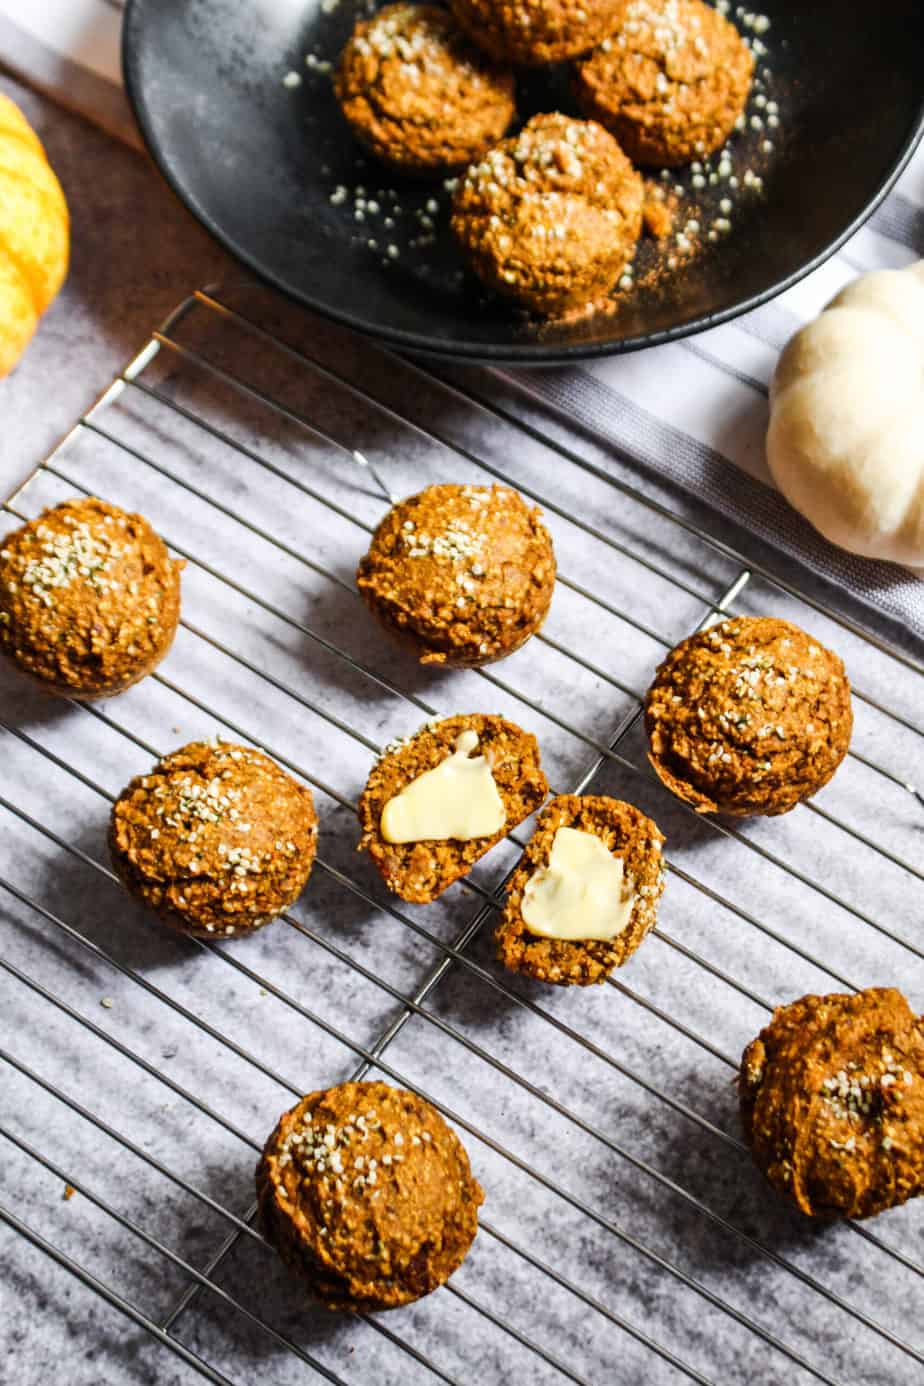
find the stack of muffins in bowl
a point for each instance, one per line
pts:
(548, 217)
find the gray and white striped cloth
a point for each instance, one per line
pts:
(705, 433)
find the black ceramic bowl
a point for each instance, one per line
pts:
(258, 161)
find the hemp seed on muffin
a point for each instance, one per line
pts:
(585, 892)
(217, 839)
(551, 216)
(437, 802)
(832, 1102)
(533, 32)
(670, 82)
(418, 94)
(89, 599)
(748, 717)
(460, 575)
(368, 1196)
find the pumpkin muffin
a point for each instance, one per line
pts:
(551, 216)
(217, 839)
(670, 83)
(748, 717)
(533, 32)
(418, 94)
(832, 1102)
(368, 1196)
(582, 919)
(423, 835)
(89, 599)
(460, 575)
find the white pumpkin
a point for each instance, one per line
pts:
(846, 438)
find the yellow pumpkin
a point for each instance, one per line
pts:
(34, 233)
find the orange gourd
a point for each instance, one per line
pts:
(34, 233)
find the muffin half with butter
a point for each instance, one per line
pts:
(585, 893)
(89, 599)
(437, 802)
(217, 839)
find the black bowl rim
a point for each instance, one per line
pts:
(523, 353)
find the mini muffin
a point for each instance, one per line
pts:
(89, 599)
(217, 839)
(423, 834)
(461, 575)
(418, 94)
(368, 1196)
(533, 32)
(551, 216)
(832, 1102)
(748, 717)
(670, 83)
(585, 892)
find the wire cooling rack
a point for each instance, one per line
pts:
(626, 1236)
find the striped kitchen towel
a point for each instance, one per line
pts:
(696, 411)
(70, 49)
(705, 433)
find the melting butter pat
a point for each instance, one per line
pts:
(582, 893)
(457, 800)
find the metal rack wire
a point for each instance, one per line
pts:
(580, 1314)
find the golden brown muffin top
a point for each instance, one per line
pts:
(674, 77)
(533, 32)
(88, 596)
(466, 571)
(418, 92)
(626, 832)
(749, 716)
(548, 208)
(832, 1102)
(376, 1193)
(420, 871)
(218, 834)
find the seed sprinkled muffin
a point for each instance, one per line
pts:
(89, 599)
(748, 717)
(368, 1196)
(670, 83)
(460, 575)
(551, 216)
(533, 32)
(217, 839)
(418, 94)
(585, 892)
(832, 1102)
(437, 802)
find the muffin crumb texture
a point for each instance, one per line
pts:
(629, 835)
(420, 871)
(551, 216)
(832, 1103)
(460, 575)
(748, 717)
(89, 599)
(418, 94)
(368, 1196)
(217, 839)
